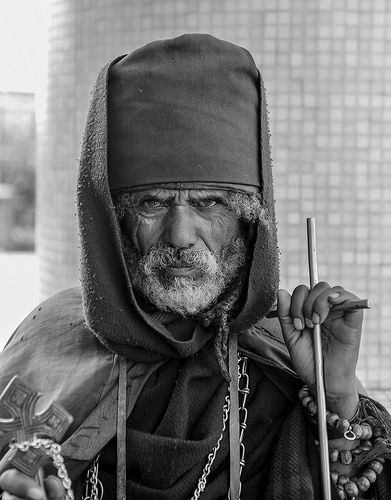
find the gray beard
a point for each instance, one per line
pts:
(184, 295)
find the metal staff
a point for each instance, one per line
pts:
(318, 360)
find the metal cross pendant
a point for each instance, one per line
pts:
(24, 425)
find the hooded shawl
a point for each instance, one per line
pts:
(108, 298)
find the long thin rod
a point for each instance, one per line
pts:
(318, 360)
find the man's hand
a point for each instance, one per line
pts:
(341, 334)
(18, 486)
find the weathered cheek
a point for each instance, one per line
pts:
(222, 230)
(130, 227)
(233, 227)
(146, 234)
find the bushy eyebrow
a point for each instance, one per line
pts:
(161, 194)
(209, 193)
(169, 194)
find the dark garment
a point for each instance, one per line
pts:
(193, 424)
(175, 411)
(176, 420)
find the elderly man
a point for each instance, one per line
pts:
(179, 264)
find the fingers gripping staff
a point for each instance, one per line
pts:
(324, 357)
(32, 437)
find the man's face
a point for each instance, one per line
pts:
(182, 247)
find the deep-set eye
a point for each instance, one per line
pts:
(152, 204)
(205, 203)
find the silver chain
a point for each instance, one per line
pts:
(93, 487)
(212, 455)
(53, 450)
(244, 390)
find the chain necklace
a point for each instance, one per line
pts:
(53, 450)
(244, 390)
(212, 455)
(93, 487)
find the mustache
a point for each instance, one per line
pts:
(158, 258)
(184, 296)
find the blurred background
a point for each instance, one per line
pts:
(327, 69)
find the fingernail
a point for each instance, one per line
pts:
(316, 319)
(334, 295)
(35, 494)
(298, 324)
(309, 323)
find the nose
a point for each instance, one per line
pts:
(180, 227)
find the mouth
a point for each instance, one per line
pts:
(181, 269)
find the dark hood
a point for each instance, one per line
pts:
(110, 307)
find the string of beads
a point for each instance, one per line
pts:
(352, 430)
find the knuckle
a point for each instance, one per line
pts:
(319, 303)
(299, 297)
(302, 289)
(307, 304)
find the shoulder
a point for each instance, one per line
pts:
(63, 310)
(54, 328)
(53, 351)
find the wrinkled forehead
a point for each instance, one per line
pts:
(166, 193)
(199, 187)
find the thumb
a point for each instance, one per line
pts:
(54, 488)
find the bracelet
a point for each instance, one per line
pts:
(350, 487)
(350, 430)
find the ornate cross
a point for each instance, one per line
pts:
(24, 425)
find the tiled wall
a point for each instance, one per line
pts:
(327, 68)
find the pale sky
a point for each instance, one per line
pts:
(23, 35)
